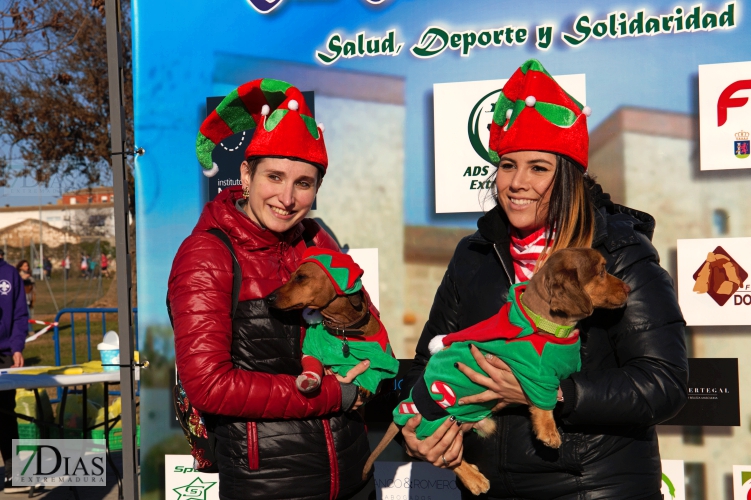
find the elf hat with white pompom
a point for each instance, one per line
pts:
(284, 126)
(533, 113)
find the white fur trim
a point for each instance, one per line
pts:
(294, 105)
(320, 125)
(212, 171)
(312, 316)
(307, 376)
(530, 101)
(509, 112)
(436, 344)
(586, 111)
(265, 110)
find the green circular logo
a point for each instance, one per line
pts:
(478, 125)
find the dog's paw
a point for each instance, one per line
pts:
(308, 382)
(551, 439)
(436, 344)
(479, 484)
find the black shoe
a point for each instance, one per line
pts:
(9, 488)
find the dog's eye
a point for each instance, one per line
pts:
(300, 277)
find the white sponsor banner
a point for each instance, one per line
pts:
(713, 281)
(59, 462)
(367, 259)
(725, 115)
(741, 482)
(182, 482)
(414, 481)
(673, 481)
(463, 112)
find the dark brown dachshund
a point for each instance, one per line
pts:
(567, 288)
(351, 330)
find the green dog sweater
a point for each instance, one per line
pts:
(539, 362)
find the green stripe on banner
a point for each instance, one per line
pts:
(274, 91)
(671, 488)
(235, 115)
(204, 147)
(311, 124)
(273, 120)
(558, 115)
(745, 476)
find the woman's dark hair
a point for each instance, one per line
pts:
(21, 263)
(571, 211)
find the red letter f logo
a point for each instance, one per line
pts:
(727, 100)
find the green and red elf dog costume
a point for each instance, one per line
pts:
(342, 350)
(538, 360)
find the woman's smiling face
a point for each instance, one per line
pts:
(282, 192)
(524, 182)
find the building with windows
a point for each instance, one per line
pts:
(94, 195)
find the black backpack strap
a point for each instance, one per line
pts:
(237, 276)
(308, 238)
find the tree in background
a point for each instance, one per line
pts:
(54, 94)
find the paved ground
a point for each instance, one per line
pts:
(108, 492)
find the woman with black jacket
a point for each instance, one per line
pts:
(634, 368)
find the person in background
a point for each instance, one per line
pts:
(66, 266)
(84, 265)
(13, 328)
(47, 266)
(29, 285)
(91, 265)
(105, 263)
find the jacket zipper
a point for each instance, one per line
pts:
(333, 462)
(252, 431)
(503, 265)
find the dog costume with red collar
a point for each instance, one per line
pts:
(538, 361)
(341, 350)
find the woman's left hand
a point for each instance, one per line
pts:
(500, 381)
(351, 374)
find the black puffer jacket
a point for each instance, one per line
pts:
(634, 369)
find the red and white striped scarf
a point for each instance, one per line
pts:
(525, 252)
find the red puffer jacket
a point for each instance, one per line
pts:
(200, 294)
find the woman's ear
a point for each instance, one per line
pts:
(566, 296)
(245, 173)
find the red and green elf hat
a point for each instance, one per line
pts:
(343, 272)
(533, 113)
(283, 125)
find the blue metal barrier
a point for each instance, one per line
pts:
(88, 311)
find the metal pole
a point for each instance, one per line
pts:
(41, 248)
(131, 489)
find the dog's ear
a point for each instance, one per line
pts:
(356, 300)
(566, 296)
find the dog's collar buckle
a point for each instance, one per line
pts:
(547, 326)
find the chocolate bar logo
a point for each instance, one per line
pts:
(720, 276)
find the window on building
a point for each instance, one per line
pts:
(72, 201)
(695, 481)
(104, 199)
(720, 221)
(97, 220)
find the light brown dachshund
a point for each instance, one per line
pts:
(566, 289)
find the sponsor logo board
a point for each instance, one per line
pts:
(713, 282)
(725, 115)
(414, 480)
(673, 482)
(183, 482)
(56, 462)
(462, 115)
(742, 482)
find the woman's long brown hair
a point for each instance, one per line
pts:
(571, 211)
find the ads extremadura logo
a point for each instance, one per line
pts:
(721, 277)
(478, 132)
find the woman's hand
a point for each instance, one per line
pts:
(443, 449)
(350, 377)
(501, 383)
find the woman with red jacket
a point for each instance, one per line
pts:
(272, 441)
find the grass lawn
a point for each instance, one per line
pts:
(73, 292)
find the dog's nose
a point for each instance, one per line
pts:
(271, 299)
(626, 288)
